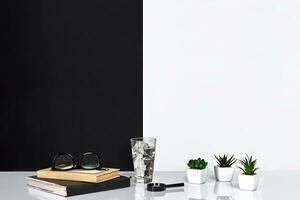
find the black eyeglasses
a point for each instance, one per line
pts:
(87, 161)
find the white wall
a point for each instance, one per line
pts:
(223, 77)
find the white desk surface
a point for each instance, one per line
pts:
(277, 185)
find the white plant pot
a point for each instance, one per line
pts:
(196, 176)
(223, 174)
(248, 182)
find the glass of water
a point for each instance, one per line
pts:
(143, 154)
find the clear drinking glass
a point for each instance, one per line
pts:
(143, 154)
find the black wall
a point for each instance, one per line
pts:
(70, 80)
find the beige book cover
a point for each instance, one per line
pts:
(92, 176)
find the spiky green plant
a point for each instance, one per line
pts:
(224, 161)
(197, 163)
(248, 165)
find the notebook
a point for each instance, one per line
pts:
(92, 176)
(71, 188)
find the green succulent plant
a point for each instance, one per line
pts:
(224, 161)
(248, 165)
(197, 163)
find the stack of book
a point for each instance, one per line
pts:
(77, 181)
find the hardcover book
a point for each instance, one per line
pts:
(92, 176)
(71, 188)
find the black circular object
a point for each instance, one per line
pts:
(158, 187)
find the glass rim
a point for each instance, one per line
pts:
(143, 138)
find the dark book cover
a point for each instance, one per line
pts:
(71, 188)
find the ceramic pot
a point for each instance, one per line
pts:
(248, 182)
(223, 174)
(196, 176)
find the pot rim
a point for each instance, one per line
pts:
(223, 167)
(196, 169)
(249, 175)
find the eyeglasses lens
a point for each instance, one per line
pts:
(90, 161)
(63, 162)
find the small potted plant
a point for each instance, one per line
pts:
(197, 172)
(248, 180)
(224, 170)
